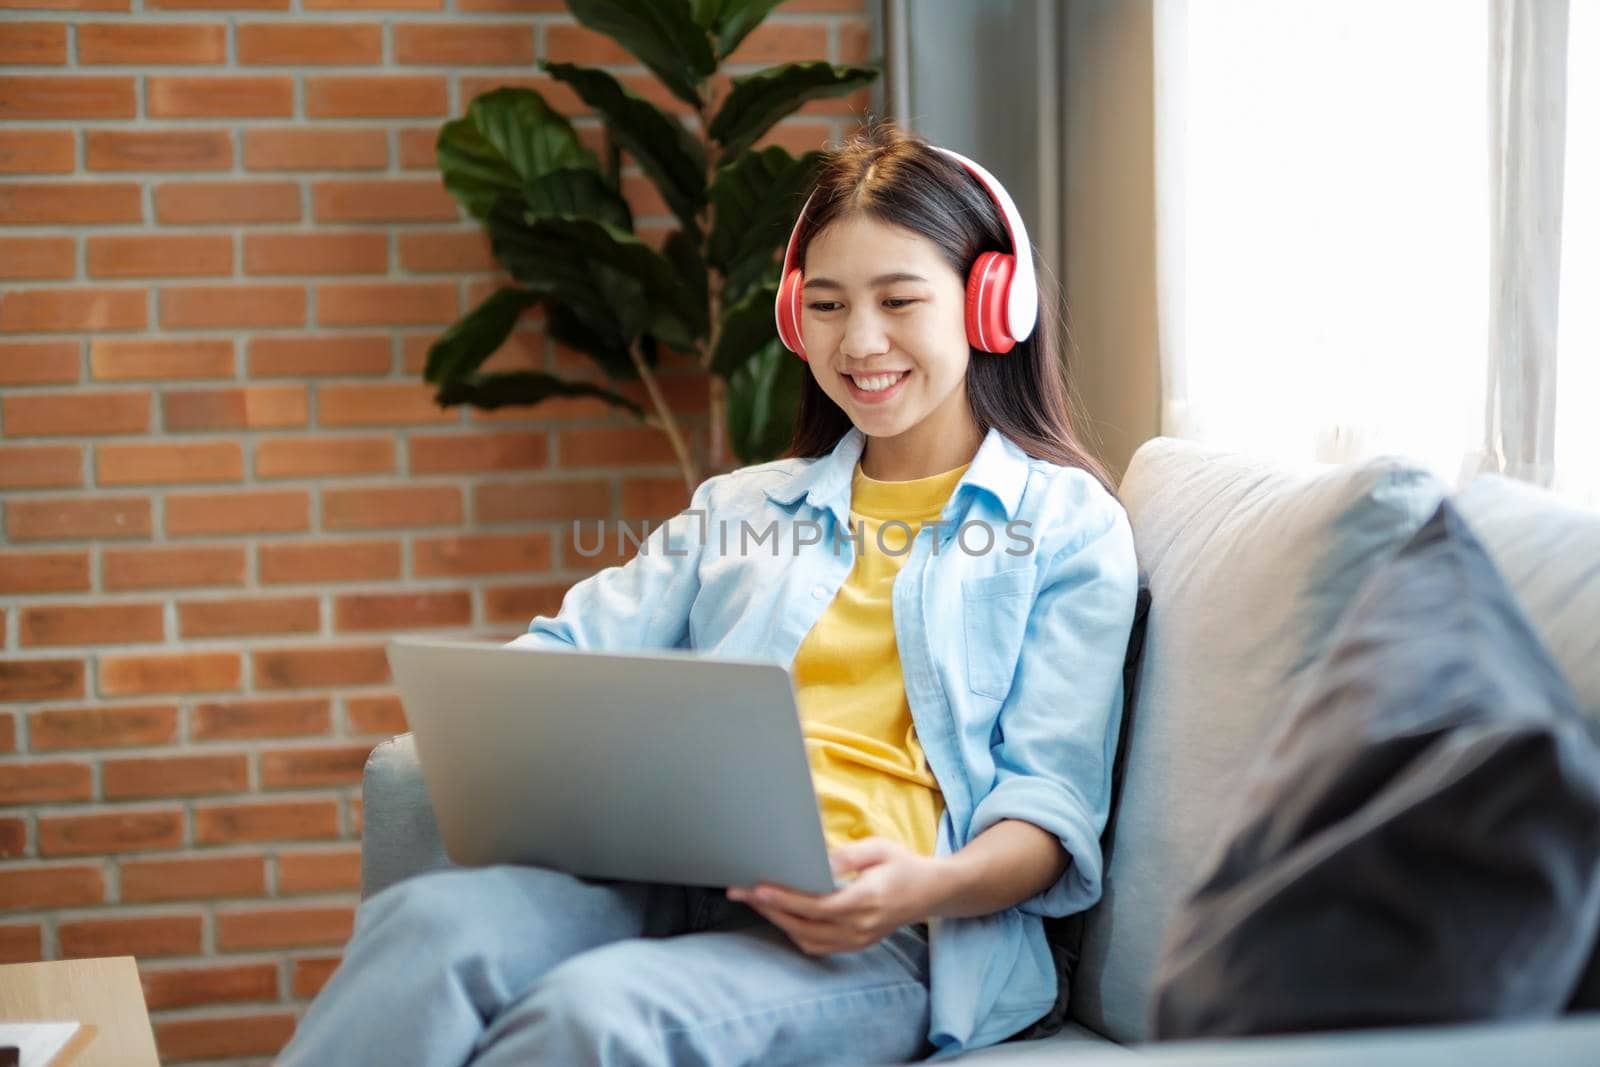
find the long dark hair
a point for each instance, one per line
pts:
(895, 177)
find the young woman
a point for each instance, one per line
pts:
(956, 639)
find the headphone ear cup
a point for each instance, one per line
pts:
(788, 310)
(988, 291)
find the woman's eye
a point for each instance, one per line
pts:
(900, 301)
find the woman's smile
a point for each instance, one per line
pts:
(875, 388)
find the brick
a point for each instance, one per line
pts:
(401, 611)
(37, 258)
(651, 498)
(181, 97)
(26, 680)
(193, 878)
(78, 413)
(265, 928)
(526, 501)
(73, 311)
(381, 404)
(527, 6)
(283, 821)
(313, 356)
(614, 446)
(90, 624)
(36, 152)
(141, 359)
(320, 667)
(312, 457)
(579, 44)
(184, 203)
(338, 96)
(13, 832)
(64, 519)
(417, 148)
(375, 715)
(248, 719)
(59, 729)
(316, 253)
(788, 42)
(300, 768)
(158, 150)
(438, 557)
(383, 200)
(218, 5)
(163, 256)
(240, 617)
(38, 362)
(114, 831)
(328, 562)
(41, 467)
(201, 514)
(8, 737)
(319, 871)
(520, 603)
(310, 43)
(163, 464)
(459, 453)
(173, 776)
(173, 568)
(255, 407)
(493, 43)
(43, 782)
(438, 251)
(69, 203)
(66, 96)
(21, 943)
(43, 572)
(216, 1037)
(376, 508)
(69, 5)
(311, 974)
(30, 888)
(245, 306)
(187, 987)
(167, 44)
(351, 148)
(34, 43)
(797, 137)
(354, 805)
(181, 672)
(162, 935)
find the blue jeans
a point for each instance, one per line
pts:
(496, 966)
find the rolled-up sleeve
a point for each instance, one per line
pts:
(1058, 730)
(638, 605)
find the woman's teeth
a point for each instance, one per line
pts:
(878, 382)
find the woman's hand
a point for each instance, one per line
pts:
(893, 886)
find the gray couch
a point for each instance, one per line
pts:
(1249, 566)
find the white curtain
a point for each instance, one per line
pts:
(1326, 241)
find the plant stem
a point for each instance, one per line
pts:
(669, 425)
(716, 447)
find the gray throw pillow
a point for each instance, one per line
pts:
(1420, 841)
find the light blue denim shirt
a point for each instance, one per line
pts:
(1012, 658)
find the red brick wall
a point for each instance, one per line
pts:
(224, 252)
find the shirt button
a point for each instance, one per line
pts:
(819, 591)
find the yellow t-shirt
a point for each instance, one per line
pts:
(868, 768)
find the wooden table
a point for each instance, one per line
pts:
(102, 994)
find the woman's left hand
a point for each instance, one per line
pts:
(893, 886)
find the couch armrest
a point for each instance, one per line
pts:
(399, 837)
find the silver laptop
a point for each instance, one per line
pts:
(660, 766)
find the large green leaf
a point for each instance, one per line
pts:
(476, 335)
(746, 327)
(577, 192)
(758, 101)
(508, 138)
(490, 391)
(757, 198)
(666, 151)
(763, 400)
(544, 266)
(682, 250)
(736, 18)
(606, 349)
(662, 33)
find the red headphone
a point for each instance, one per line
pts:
(1002, 294)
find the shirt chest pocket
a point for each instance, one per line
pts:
(995, 617)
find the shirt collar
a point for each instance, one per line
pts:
(999, 467)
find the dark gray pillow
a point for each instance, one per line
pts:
(1420, 843)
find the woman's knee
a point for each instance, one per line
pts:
(453, 907)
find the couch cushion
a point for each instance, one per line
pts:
(1250, 565)
(1421, 839)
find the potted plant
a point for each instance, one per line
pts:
(559, 226)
